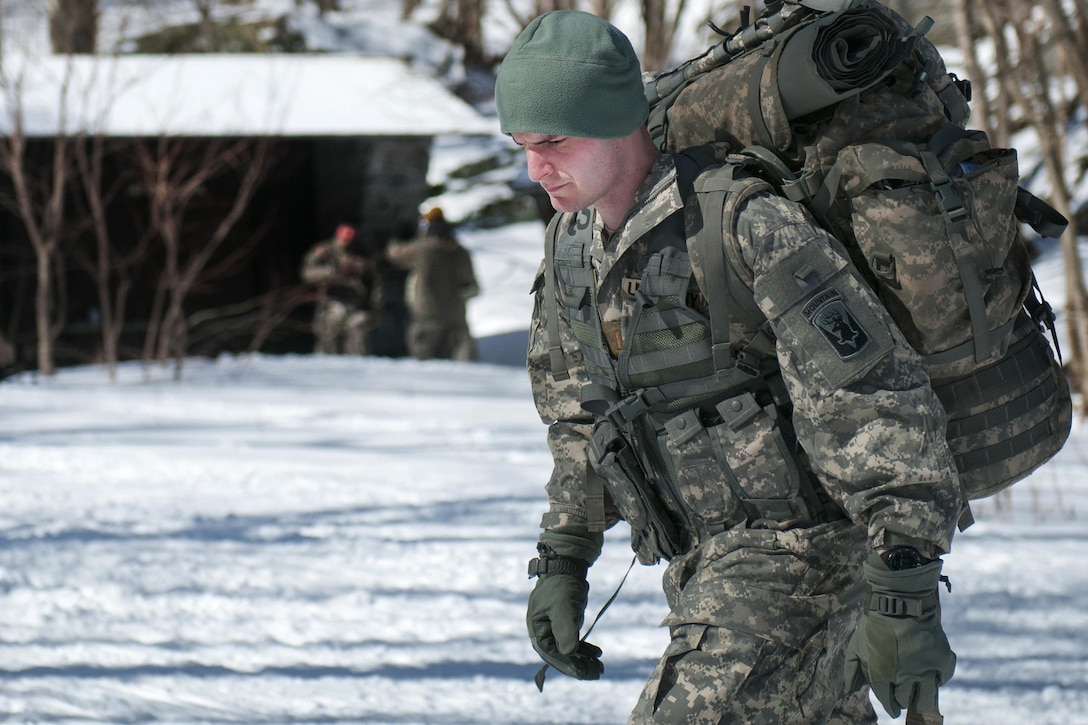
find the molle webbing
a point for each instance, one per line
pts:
(1006, 418)
(558, 363)
(568, 280)
(577, 290)
(672, 367)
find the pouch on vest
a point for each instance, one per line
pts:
(653, 535)
(739, 466)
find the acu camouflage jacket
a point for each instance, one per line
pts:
(870, 426)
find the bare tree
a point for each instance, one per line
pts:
(40, 204)
(461, 22)
(271, 309)
(112, 268)
(982, 114)
(1071, 33)
(660, 22)
(175, 173)
(1024, 72)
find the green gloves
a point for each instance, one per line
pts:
(557, 603)
(899, 647)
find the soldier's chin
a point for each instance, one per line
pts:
(561, 203)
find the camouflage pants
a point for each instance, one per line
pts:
(430, 341)
(760, 621)
(342, 328)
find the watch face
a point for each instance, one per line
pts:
(902, 557)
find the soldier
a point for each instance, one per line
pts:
(348, 289)
(440, 281)
(802, 495)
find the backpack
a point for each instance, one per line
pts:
(845, 108)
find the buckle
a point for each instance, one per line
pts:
(537, 567)
(892, 606)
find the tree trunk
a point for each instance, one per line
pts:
(73, 26)
(468, 24)
(41, 218)
(660, 31)
(102, 268)
(175, 176)
(408, 7)
(966, 35)
(546, 6)
(1073, 44)
(603, 8)
(1029, 85)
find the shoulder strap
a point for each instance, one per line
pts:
(719, 195)
(557, 360)
(706, 255)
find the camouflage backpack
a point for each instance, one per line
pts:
(847, 109)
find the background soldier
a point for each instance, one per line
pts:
(349, 294)
(440, 282)
(794, 492)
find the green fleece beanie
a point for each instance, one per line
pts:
(570, 73)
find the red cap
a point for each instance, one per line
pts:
(345, 232)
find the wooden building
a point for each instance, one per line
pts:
(349, 139)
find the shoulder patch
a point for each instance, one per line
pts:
(828, 312)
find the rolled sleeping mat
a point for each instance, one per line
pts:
(839, 56)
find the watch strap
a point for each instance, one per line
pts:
(548, 565)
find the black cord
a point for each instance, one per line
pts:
(538, 678)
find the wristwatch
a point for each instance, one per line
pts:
(551, 563)
(899, 558)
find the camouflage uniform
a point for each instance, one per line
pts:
(440, 281)
(760, 616)
(349, 289)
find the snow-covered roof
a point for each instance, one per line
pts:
(228, 95)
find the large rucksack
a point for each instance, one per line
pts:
(847, 109)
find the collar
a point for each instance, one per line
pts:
(658, 198)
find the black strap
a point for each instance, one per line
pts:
(557, 360)
(966, 256)
(551, 564)
(1043, 314)
(1039, 215)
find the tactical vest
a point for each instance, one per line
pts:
(692, 434)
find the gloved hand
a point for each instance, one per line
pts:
(899, 647)
(557, 603)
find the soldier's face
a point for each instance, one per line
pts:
(575, 172)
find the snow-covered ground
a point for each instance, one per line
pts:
(334, 540)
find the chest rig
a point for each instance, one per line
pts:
(692, 430)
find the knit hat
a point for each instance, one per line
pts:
(570, 73)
